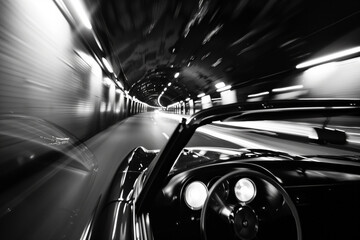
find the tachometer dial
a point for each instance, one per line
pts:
(245, 190)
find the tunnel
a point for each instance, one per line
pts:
(117, 74)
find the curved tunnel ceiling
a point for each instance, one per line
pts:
(238, 42)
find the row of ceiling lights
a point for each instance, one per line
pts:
(176, 75)
(317, 61)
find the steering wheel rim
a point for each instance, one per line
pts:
(249, 173)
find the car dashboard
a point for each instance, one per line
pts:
(326, 197)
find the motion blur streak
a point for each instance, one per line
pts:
(214, 131)
(46, 71)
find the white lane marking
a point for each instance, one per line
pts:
(229, 138)
(165, 135)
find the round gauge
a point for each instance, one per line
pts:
(195, 195)
(245, 190)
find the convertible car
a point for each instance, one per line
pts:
(210, 192)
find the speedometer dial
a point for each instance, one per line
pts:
(245, 190)
(195, 195)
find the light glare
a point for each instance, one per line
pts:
(81, 12)
(329, 57)
(224, 88)
(258, 94)
(290, 88)
(220, 85)
(107, 65)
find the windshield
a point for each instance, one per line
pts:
(320, 138)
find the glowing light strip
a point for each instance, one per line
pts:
(224, 88)
(330, 57)
(159, 101)
(107, 65)
(258, 94)
(201, 95)
(220, 85)
(284, 89)
(120, 85)
(81, 12)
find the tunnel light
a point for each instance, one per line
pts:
(119, 84)
(97, 42)
(159, 100)
(107, 65)
(258, 94)
(165, 89)
(169, 84)
(187, 99)
(290, 88)
(220, 85)
(176, 75)
(107, 81)
(201, 95)
(215, 64)
(330, 57)
(224, 88)
(81, 12)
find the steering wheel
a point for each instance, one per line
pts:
(241, 217)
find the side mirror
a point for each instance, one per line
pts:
(328, 135)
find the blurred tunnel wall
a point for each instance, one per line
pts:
(46, 72)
